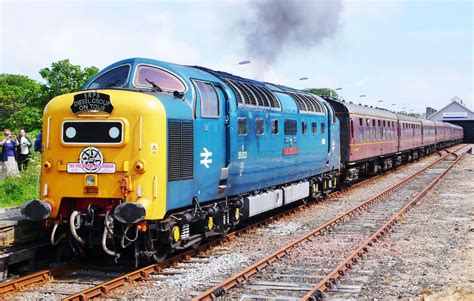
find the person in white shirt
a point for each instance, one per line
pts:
(23, 150)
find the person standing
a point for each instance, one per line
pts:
(9, 144)
(23, 151)
(39, 142)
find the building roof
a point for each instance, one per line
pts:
(456, 100)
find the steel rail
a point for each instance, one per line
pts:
(316, 293)
(41, 276)
(241, 277)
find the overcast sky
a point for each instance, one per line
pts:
(408, 53)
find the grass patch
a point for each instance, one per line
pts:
(16, 191)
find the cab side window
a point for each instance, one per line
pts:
(304, 127)
(275, 127)
(259, 126)
(242, 126)
(209, 100)
(290, 127)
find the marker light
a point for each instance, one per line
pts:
(114, 132)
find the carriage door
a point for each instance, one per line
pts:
(330, 120)
(210, 140)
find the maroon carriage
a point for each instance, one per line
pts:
(409, 129)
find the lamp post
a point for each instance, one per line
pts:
(337, 89)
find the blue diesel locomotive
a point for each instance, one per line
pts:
(170, 155)
(155, 157)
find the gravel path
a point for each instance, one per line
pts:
(254, 245)
(430, 255)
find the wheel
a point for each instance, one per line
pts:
(161, 251)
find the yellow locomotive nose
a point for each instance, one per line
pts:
(101, 158)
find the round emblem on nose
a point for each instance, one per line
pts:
(91, 158)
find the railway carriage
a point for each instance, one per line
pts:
(428, 135)
(409, 137)
(158, 156)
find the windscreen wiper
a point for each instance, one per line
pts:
(154, 85)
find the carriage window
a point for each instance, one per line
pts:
(304, 127)
(290, 127)
(259, 126)
(323, 128)
(209, 100)
(116, 77)
(373, 122)
(361, 121)
(165, 80)
(368, 122)
(242, 126)
(314, 128)
(275, 127)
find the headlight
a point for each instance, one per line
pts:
(91, 180)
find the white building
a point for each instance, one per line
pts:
(457, 113)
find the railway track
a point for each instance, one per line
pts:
(308, 266)
(102, 288)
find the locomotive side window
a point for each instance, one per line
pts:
(304, 127)
(290, 127)
(209, 100)
(314, 128)
(323, 128)
(147, 77)
(259, 126)
(275, 127)
(242, 126)
(116, 77)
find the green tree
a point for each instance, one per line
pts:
(323, 92)
(417, 115)
(19, 95)
(63, 77)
